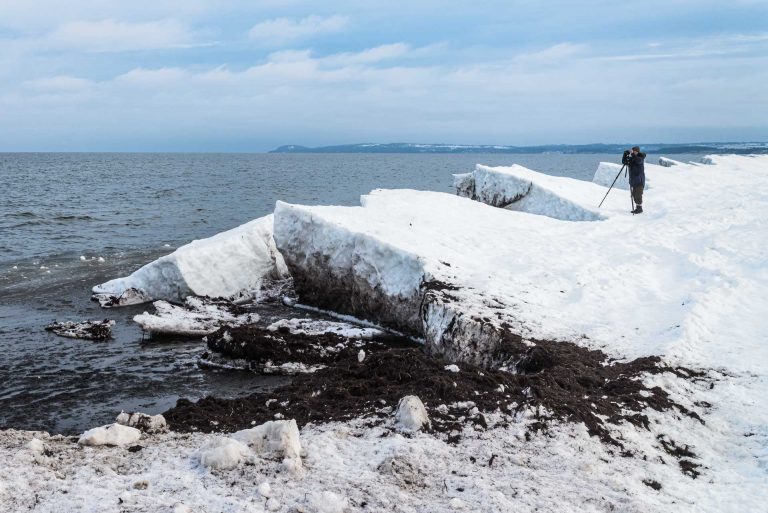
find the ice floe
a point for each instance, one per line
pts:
(112, 434)
(198, 317)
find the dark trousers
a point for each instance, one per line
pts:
(637, 194)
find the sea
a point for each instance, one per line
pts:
(69, 221)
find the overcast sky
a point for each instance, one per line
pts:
(232, 75)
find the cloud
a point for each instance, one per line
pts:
(117, 36)
(59, 83)
(281, 31)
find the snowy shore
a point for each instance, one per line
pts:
(686, 281)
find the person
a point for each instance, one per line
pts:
(635, 161)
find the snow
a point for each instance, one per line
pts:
(224, 265)
(279, 437)
(519, 188)
(111, 434)
(198, 317)
(314, 327)
(222, 453)
(452, 368)
(411, 414)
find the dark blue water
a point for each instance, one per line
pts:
(120, 211)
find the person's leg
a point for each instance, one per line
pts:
(637, 195)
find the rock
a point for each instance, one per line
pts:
(222, 453)
(411, 414)
(112, 434)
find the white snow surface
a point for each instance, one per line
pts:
(225, 265)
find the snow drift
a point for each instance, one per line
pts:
(231, 263)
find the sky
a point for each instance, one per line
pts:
(248, 76)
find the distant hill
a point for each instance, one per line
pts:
(670, 149)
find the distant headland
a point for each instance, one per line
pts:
(710, 147)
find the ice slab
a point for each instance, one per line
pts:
(225, 265)
(518, 188)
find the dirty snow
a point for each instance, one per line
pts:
(198, 317)
(314, 327)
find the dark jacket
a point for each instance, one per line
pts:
(636, 165)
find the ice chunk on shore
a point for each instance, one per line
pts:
(112, 434)
(220, 266)
(521, 189)
(222, 453)
(606, 172)
(277, 437)
(411, 414)
(198, 317)
(314, 327)
(142, 421)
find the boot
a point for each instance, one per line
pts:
(638, 210)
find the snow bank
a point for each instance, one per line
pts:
(518, 188)
(197, 318)
(225, 265)
(112, 434)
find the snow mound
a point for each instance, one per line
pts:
(112, 434)
(521, 189)
(225, 265)
(143, 422)
(198, 317)
(411, 414)
(222, 453)
(314, 327)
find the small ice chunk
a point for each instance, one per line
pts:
(222, 453)
(361, 356)
(90, 330)
(265, 490)
(142, 421)
(452, 368)
(328, 502)
(112, 434)
(411, 414)
(276, 437)
(82, 257)
(273, 504)
(36, 446)
(101, 259)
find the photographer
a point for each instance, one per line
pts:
(635, 161)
